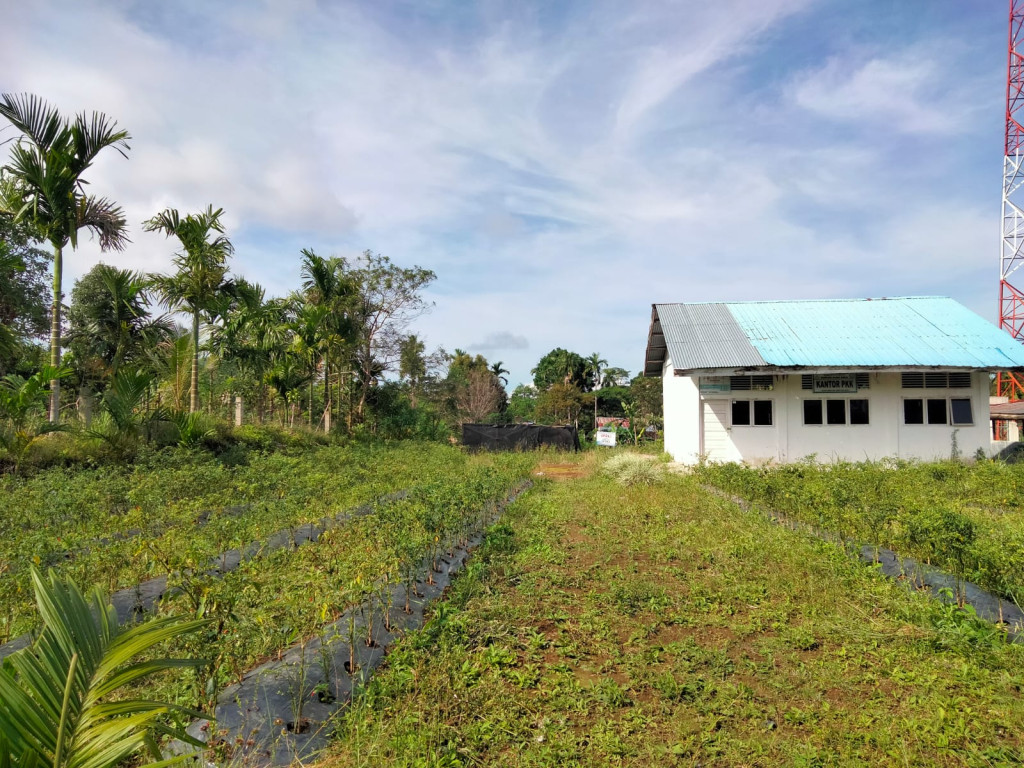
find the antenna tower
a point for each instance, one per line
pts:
(1011, 299)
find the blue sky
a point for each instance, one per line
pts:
(561, 166)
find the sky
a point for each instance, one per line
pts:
(560, 165)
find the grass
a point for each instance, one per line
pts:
(661, 625)
(964, 518)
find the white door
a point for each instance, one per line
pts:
(716, 444)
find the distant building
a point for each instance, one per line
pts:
(839, 379)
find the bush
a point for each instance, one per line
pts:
(631, 469)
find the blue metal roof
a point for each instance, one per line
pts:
(843, 333)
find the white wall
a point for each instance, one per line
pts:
(682, 415)
(789, 439)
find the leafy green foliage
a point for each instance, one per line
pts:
(662, 625)
(24, 273)
(62, 700)
(562, 366)
(960, 517)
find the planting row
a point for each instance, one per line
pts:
(270, 603)
(116, 527)
(964, 519)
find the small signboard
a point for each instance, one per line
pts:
(835, 382)
(714, 384)
(606, 439)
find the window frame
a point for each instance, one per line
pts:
(948, 412)
(847, 412)
(751, 411)
(970, 407)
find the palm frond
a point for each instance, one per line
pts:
(56, 696)
(105, 219)
(34, 117)
(90, 134)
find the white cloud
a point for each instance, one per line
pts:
(558, 178)
(912, 91)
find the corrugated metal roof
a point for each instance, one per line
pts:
(705, 336)
(846, 333)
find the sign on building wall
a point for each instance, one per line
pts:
(835, 382)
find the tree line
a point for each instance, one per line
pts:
(119, 361)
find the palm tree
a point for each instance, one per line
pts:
(43, 183)
(308, 327)
(114, 324)
(201, 278)
(326, 284)
(412, 364)
(594, 363)
(499, 372)
(253, 334)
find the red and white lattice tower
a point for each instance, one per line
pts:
(1011, 299)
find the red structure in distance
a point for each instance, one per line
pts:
(1011, 299)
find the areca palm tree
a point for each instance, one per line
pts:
(43, 183)
(201, 278)
(308, 327)
(326, 284)
(594, 363)
(499, 372)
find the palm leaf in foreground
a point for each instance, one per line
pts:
(57, 708)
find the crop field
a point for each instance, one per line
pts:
(964, 518)
(116, 526)
(663, 625)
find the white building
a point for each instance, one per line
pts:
(839, 379)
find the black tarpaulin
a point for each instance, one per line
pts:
(518, 437)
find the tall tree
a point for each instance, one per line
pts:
(388, 299)
(561, 365)
(412, 364)
(326, 283)
(201, 278)
(43, 183)
(594, 363)
(24, 280)
(499, 372)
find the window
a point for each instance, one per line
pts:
(812, 412)
(960, 380)
(913, 411)
(913, 380)
(752, 412)
(938, 410)
(835, 411)
(741, 413)
(960, 409)
(858, 411)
